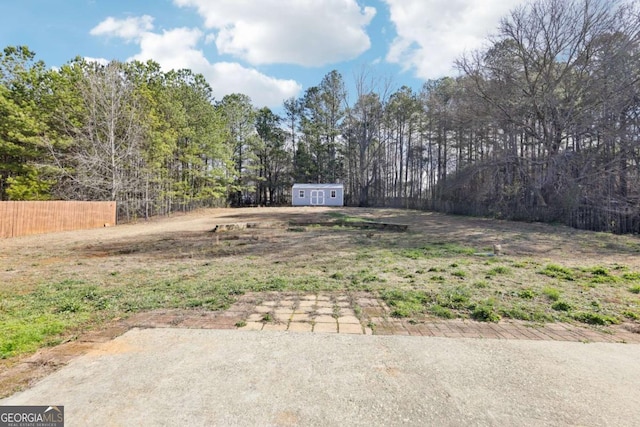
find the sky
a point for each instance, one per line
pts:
(270, 50)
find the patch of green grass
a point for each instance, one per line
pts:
(516, 312)
(501, 269)
(561, 306)
(337, 275)
(365, 276)
(595, 318)
(527, 294)
(635, 289)
(241, 324)
(599, 271)
(275, 284)
(456, 297)
(601, 275)
(28, 333)
(485, 311)
(413, 253)
(442, 312)
(552, 293)
(481, 284)
(459, 273)
(437, 250)
(631, 315)
(405, 303)
(558, 272)
(632, 276)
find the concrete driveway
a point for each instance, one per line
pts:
(179, 377)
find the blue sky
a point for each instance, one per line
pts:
(267, 49)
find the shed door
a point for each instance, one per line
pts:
(317, 197)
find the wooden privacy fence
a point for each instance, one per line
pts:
(24, 218)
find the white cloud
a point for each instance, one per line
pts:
(302, 32)
(177, 49)
(100, 61)
(433, 34)
(129, 29)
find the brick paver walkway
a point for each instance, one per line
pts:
(357, 313)
(363, 313)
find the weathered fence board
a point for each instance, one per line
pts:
(25, 218)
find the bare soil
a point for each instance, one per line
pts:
(23, 259)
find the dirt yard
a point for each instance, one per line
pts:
(26, 260)
(57, 287)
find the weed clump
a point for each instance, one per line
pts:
(405, 303)
(561, 306)
(595, 318)
(632, 277)
(485, 312)
(501, 269)
(527, 294)
(552, 293)
(559, 272)
(455, 298)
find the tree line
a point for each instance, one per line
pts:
(541, 124)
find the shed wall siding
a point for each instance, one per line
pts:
(296, 200)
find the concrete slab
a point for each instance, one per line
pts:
(226, 378)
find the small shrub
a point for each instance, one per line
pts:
(561, 306)
(337, 276)
(241, 324)
(438, 279)
(635, 289)
(436, 270)
(481, 284)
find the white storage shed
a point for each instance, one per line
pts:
(317, 195)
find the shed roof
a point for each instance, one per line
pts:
(296, 186)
